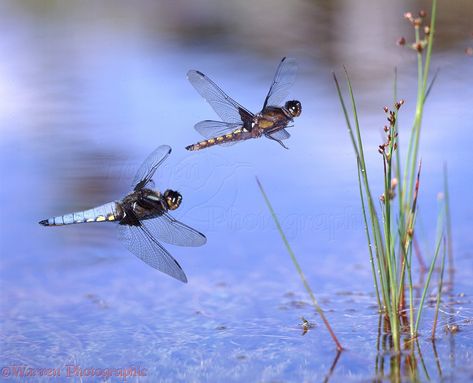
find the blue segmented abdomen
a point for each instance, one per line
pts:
(107, 212)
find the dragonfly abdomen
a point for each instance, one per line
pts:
(107, 212)
(236, 135)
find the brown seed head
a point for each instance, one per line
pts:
(417, 22)
(418, 47)
(427, 30)
(399, 104)
(422, 13)
(401, 41)
(385, 109)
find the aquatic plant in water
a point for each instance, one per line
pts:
(390, 223)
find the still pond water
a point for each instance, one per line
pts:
(88, 91)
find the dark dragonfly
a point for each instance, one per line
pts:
(143, 219)
(240, 124)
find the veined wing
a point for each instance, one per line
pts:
(211, 129)
(228, 109)
(282, 82)
(170, 230)
(139, 241)
(281, 134)
(148, 167)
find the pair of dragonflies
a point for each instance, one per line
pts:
(143, 215)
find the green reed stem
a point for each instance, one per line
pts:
(298, 268)
(357, 143)
(440, 220)
(439, 291)
(367, 232)
(422, 362)
(448, 222)
(422, 76)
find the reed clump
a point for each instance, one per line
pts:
(390, 219)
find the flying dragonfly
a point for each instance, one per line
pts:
(143, 219)
(238, 123)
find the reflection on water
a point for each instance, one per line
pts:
(87, 90)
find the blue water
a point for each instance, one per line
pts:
(87, 92)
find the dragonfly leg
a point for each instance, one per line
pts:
(275, 139)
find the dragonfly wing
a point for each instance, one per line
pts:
(210, 129)
(139, 241)
(170, 230)
(148, 167)
(228, 109)
(282, 82)
(281, 134)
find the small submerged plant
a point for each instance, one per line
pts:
(390, 220)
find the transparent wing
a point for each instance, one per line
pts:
(228, 109)
(281, 134)
(139, 241)
(210, 129)
(170, 230)
(148, 167)
(282, 82)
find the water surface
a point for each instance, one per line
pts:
(87, 91)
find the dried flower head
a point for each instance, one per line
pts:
(418, 47)
(417, 23)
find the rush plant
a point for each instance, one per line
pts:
(390, 220)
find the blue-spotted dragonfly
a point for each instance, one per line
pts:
(239, 124)
(143, 219)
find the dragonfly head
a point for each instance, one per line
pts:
(173, 199)
(294, 107)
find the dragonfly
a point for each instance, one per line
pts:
(238, 123)
(143, 219)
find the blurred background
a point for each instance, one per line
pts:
(89, 89)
